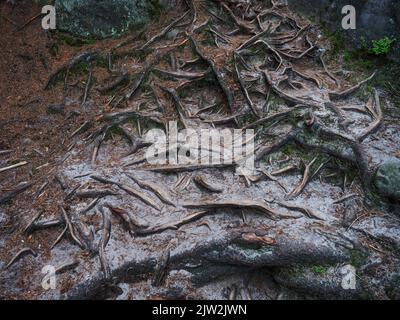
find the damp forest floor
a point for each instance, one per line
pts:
(77, 193)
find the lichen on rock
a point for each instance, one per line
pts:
(104, 18)
(387, 180)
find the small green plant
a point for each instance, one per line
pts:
(321, 270)
(382, 46)
(347, 56)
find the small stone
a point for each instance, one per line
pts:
(56, 109)
(27, 141)
(387, 180)
(172, 34)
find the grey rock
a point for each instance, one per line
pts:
(375, 19)
(27, 141)
(104, 18)
(319, 281)
(387, 180)
(172, 34)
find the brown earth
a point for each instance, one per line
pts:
(37, 124)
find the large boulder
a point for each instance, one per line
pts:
(387, 180)
(376, 19)
(104, 18)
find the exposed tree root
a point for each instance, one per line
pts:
(243, 204)
(306, 177)
(228, 94)
(345, 93)
(19, 255)
(85, 57)
(378, 116)
(261, 71)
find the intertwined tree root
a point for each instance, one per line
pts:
(223, 64)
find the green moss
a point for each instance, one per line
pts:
(364, 64)
(387, 180)
(246, 119)
(289, 150)
(337, 41)
(357, 258)
(369, 57)
(71, 40)
(275, 101)
(295, 270)
(360, 60)
(320, 270)
(294, 117)
(393, 292)
(312, 19)
(388, 79)
(297, 151)
(372, 56)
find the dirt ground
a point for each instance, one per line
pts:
(41, 126)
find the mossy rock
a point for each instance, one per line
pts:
(387, 180)
(319, 281)
(99, 19)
